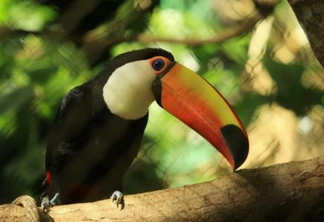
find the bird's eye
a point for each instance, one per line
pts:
(158, 64)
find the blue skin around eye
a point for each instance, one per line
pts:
(158, 64)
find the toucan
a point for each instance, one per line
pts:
(99, 125)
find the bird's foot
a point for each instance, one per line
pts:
(55, 200)
(118, 197)
(46, 203)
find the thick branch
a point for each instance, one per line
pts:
(310, 14)
(286, 192)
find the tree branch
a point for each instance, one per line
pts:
(286, 192)
(227, 34)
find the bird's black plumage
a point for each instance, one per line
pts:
(89, 148)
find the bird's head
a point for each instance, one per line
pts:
(142, 76)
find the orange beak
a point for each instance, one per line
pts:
(195, 102)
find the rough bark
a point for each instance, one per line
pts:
(286, 192)
(310, 14)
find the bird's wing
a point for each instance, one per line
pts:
(72, 119)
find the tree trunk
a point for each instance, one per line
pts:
(286, 192)
(310, 14)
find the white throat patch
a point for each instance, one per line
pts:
(127, 92)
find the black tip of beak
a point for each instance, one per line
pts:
(237, 143)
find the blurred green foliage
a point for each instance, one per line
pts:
(37, 71)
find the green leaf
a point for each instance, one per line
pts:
(291, 93)
(16, 99)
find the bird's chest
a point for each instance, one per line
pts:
(98, 150)
(95, 161)
(104, 141)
